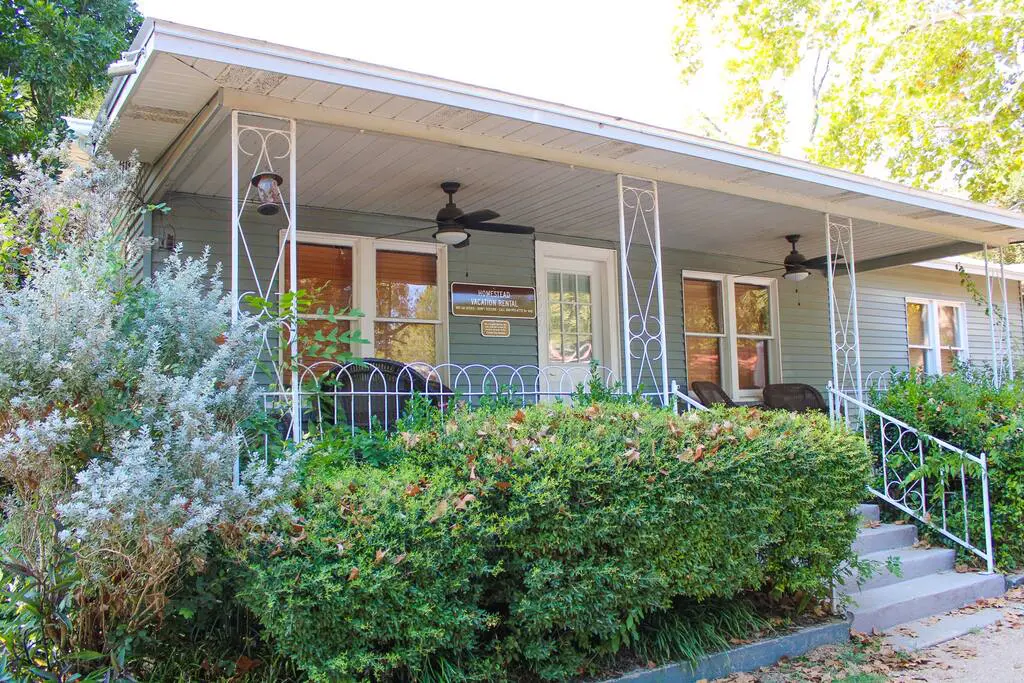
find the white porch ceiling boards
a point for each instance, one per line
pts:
(349, 170)
(463, 126)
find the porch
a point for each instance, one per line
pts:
(690, 283)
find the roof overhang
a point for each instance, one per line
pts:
(188, 78)
(974, 266)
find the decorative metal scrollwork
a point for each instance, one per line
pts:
(643, 298)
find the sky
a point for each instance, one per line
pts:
(611, 57)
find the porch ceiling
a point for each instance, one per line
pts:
(345, 169)
(381, 140)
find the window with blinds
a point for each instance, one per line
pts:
(397, 286)
(731, 331)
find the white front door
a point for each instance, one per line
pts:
(577, 315)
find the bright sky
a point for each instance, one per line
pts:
(611, 57)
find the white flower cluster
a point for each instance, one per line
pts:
(127, 397)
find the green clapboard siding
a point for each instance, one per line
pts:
(200, 222)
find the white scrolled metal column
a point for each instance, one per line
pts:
(644, 332)
(1007, 334)
(994, 338)
(844, 326)
(258, 143)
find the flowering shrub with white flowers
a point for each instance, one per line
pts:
(121, 412)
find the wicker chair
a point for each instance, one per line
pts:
(375, 393)
(795, 397)
(709, 394)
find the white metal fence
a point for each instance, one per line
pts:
(933, 481)
(377, 393)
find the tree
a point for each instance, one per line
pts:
(53, 59)
(928, 92)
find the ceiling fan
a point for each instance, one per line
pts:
(797, 266)
(453, 223)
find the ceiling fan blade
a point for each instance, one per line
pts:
(780, 264)
(409, 232)
(506, 228)
(477, 217)
(820, 261)
(764, 272)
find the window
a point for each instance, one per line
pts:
(936, 337)
(731, 329)
(399, 286)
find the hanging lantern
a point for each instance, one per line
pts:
(268, 188)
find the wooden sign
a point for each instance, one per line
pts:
(495, 328)
(497, 301)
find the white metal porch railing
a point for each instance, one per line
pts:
(354, 396)
(682, 400)
(947, 501)
(359, 395)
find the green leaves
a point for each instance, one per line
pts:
(541, 541)
(54, 54)
(933, 91)
(966, 409)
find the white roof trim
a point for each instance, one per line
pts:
(160, 35)
(1014, 271)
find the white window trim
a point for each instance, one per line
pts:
(611, 330)
(934, 358)
(364, 282)
(730, 361)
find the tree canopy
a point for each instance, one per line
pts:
(53, 60)
(928, 92)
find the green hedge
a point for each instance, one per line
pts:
(537, 542)
(967, 410)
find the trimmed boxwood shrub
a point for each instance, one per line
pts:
(535, 542)
(966, 409)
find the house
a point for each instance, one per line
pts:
(630, 226)
(494, 239)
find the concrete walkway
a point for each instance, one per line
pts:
(993, 653)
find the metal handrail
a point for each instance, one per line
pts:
(902, 448)
(691, 403)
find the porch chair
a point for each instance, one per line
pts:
(709, 394)
(795, 397)
(376, 393)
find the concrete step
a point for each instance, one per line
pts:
(869, 513)
(913, 563)
(884, 537)
(880, 608)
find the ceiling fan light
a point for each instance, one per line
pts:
(451, 235)
(796, 274)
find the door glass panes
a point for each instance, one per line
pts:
(753, 311)
(325, 272)
(406, 285)
(570, 318)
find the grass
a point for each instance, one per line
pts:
(690, 632)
